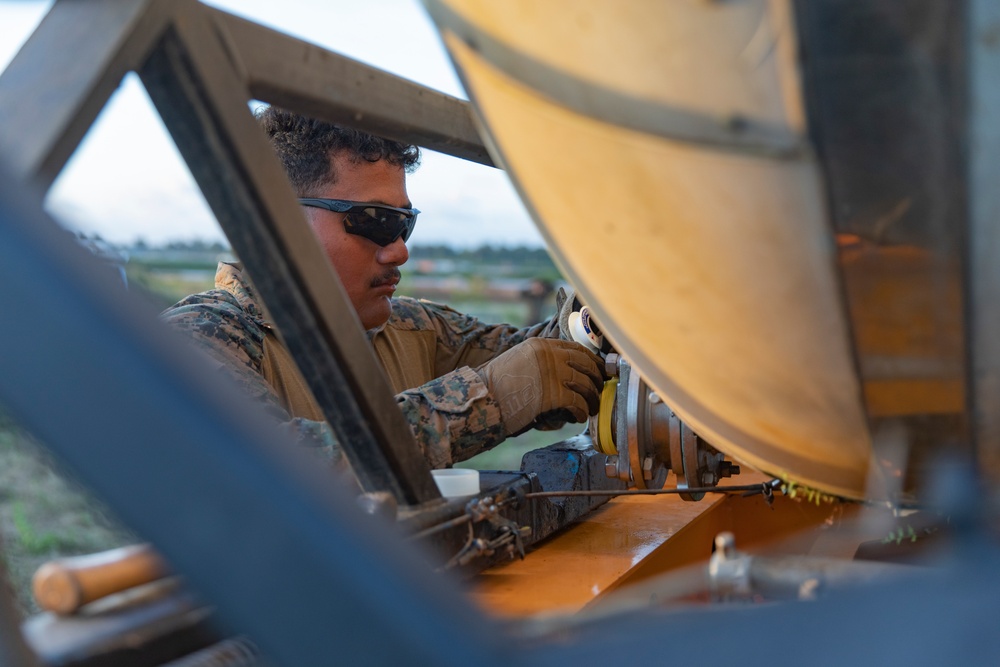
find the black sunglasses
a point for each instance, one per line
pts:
(378, 223)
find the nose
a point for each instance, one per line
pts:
(394, 254)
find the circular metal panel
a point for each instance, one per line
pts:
(707, 262)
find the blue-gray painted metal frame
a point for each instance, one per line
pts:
(271, 539)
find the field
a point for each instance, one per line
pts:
(44, 514)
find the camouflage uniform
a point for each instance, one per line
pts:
(427, 350)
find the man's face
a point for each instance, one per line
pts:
(368, 271)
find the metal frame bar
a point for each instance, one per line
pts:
(55, 86)
(194, 469)
(314, 81)
(203, 104)
(984, 270)
(199, 65)
(255, 526)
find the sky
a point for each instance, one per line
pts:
(127, 181)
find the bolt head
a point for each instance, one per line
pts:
(611, 364)
(611, 467)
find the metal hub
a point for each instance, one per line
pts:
(645, 440)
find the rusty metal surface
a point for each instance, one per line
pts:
(885, 85)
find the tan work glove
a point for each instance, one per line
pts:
(566, 304)
(544, 377)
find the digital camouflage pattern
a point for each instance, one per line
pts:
(428, 350)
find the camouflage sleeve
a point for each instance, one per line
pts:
(453, 417)
(234, 341)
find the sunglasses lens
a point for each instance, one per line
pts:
(380, 225)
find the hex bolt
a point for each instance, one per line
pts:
(654, 398)
(611, 467)
(647, 468)
(611, 364)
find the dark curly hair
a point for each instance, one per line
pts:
(304, 145)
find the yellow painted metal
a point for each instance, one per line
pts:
(605, 438)
(705, 258)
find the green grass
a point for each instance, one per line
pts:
(166, 287)
(44, 514)
(507, 455)
(35, 543)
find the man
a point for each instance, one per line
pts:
(463, 386)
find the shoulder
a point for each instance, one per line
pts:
(215, 314)
(411, 314)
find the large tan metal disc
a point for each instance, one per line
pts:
(659, 147)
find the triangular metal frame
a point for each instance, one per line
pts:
(201, 67)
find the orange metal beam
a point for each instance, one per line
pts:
(635, 537)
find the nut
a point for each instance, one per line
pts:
(611, 467)
(611, 364)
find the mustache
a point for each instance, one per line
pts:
(391, 276)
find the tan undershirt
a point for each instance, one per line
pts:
(405, 356)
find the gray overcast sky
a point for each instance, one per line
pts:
(127, 180)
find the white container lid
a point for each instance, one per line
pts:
(457, 482)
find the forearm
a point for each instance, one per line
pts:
(453, 417)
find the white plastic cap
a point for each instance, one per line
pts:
(457, 482)
(583, 332)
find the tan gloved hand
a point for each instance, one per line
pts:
(542, 376)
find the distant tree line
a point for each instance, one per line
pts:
(485, 254)
(197, 245)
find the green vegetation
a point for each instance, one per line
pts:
(43, 513)
(33, 542)
(486, 281)
(508, 455)
(518, 262)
